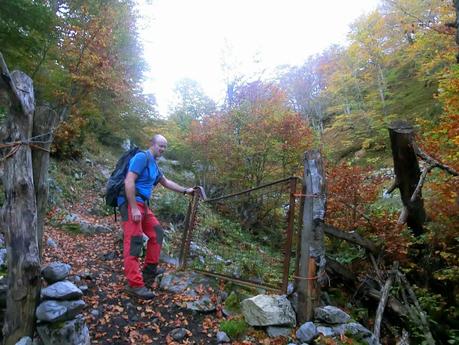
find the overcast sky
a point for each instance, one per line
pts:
(196, 38)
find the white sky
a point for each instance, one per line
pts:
(193, 38)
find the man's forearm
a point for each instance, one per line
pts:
(174, 186)
(129, 189)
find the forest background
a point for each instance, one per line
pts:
(85, 59)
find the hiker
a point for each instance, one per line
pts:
(137, 218)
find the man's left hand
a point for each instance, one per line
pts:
(189, 191)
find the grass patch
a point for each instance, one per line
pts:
(234, 328)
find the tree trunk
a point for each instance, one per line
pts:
(312, 253)
(45, 120)
(407, 174)
(19, 210)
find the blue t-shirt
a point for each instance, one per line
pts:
(145, 182)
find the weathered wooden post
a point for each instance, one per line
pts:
(407, 174)
(19, 212)
(44, 122)
(312, 250)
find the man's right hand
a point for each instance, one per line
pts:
(136, 215)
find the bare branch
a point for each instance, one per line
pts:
(433, 161)
(393, 186)
(352, 237)
(383, 301)
(422, 179)
(417, 308)
(403, 216)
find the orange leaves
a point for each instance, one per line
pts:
(257, 139)
(351, 190)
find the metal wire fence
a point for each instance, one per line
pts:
(247, 237)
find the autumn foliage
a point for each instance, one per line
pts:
(256, 140)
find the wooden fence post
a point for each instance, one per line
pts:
(19, 212)
(312, 250)
(44, 122)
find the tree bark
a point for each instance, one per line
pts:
(312, 253)
(19, 210)
(45, 120)
(407, 174)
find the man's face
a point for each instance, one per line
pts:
(159, 146)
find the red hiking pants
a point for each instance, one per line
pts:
(133, 243)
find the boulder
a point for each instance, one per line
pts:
(63, 290)
(331, 315)
(53, 311)
(307, 332)
(72, 332)
(326, 331)
(264, 310)
(358, 331)
(56, 271)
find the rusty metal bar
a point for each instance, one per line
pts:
(288, 242)
(238, 281)
(182, 257)
(253, 189)
(190, 221)
(298, 235)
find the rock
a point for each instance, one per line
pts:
(3, 291)
(326, 331)
(24, 341)
(168, 259)
(71, 333)
(56, 271)
(108, 256)
(274, 332)
(72, 218)
(290, 289)
(307, 332)
(84, 289)
(95, 313)
(263, 310)
(50, 243)
(222, 337)
(90, 229)
(53, 311)
(331, 315)
(178, 334)
(179, 282)
(3, 262)
(203, 305)
(86, 275)
(63, 290)
(356, 330)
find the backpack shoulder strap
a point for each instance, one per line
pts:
(148, 162)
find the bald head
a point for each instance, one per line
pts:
(158, 145)
(158, 138)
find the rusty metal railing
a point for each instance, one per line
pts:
(191, 223)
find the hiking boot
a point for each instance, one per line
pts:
(151, 271)
(140, 292)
